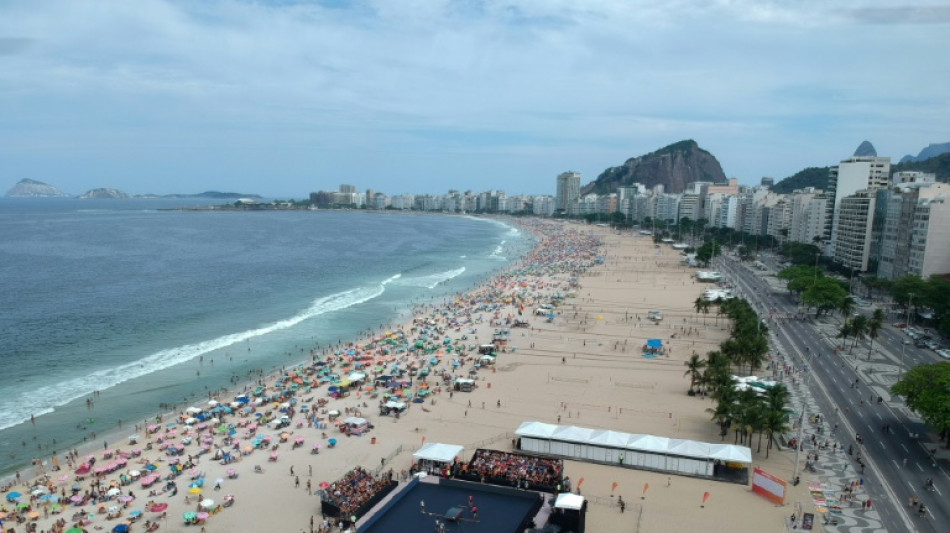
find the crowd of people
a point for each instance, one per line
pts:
(518, 470)
(354, 489)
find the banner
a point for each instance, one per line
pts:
(768, 486)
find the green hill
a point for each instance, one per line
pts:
(817, 177)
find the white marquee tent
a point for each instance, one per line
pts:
(645, 451)
(438, 452)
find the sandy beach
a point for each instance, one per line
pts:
(583, 368)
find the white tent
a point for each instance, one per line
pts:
(731, 453)
(538, 430)
(642, 451)
(689, 448)
(354, 421)
(569, 500)
(393, 404)
(356, 376)
(438, 452)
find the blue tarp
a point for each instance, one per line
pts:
(654, 343)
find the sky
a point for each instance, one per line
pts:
(282, 98)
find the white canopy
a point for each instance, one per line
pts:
(356, 376)
(731, 453)
(438, 452)
(354, 421)
(569, 500)
(537, 430)
(635, 442)
(393, 404)
(464, 380)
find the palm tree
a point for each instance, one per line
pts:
(706, 305)
(699, 305)
(719, 311)
(874, 326)
(776, 413)
(859, 328)
(694, 366)
(845, 330)
(846, 306)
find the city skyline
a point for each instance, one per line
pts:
(284, 98)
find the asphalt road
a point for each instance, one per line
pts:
(846, 387)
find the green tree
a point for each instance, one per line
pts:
(694, 367)
(706, 252)
(846, 307)
(824, 295)
(874, 328)
(859, 328)
(926, 389)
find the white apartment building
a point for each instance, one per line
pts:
(855, 215)
(853, 175)
(808, 216)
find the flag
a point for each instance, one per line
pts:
(579, 483)
(613, 487)
(423, 439)
(705, 497)
(645, 487)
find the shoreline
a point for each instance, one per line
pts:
(584, 368)
(167, 410)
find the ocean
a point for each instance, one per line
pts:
(150, 306)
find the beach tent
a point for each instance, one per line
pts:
(570, 501)
(356, 376)
(438, 452)
(731, 453)
(654, 343)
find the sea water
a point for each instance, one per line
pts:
(132, 306)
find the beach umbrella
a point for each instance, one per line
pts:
(121, 528)
(202, 516)
(194, 490)
(23, 505)
(125, 499)
(189, 516)
(75, 498)
(207, 503)
(113, 492)
(74, 530)
(324, 484)
(55, 507)
(12, 495)
(135, 513)
(158, 507)
(33, 514)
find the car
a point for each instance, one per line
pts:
(933, 345)
(900, 325)
(945, 353)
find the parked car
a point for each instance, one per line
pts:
(900, 325)
(934, 345)
(945, 353)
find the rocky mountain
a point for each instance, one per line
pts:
(673, 166)
(865, 149)
(933, 150)
(104, 194)
(27, 188)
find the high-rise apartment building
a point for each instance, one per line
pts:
(568, 190)
(914, 241)
(864, 171)
(855, 215)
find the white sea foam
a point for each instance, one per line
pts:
(431, 281)
(43, 400)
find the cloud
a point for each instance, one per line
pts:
(307, 89)
(14, 45)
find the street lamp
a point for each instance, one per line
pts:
(900, 369)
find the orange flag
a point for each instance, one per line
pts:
(579, 483)
(705, 497)
(645, 487)
(423, 439)
(613, 487)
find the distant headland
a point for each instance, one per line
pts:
(27, 188)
